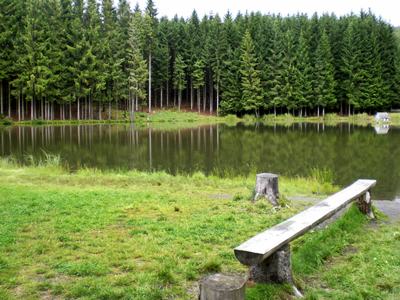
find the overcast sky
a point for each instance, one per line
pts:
(389, 10)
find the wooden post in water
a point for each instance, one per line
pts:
(267, 186)
(222, 287)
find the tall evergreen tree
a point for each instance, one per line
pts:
(252, 95)
(137, 64)
(179, 77)
(198, 79)
(325, 82)
(150, 33)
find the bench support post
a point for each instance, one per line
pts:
(275, 268)
(364, 204)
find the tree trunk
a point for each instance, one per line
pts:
(78, 110)
(191, 94)
(217, 108)
(323, 111)
(32, 107)
(19, 106)
(204, 97)
(9, 100)
(211, 94)
(318, 111)
(70, 110)
(161, 97)
(1, 98)
(179, 100)
(149, 81)
(167, 93)
(198, 99)
(349, 109)
(23, 107)
(109, 110)
(100, 111)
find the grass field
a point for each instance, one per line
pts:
(134, 235)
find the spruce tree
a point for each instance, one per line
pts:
(304, 76)
(325, 81)
(179, 77)
(252, 95)
(198, 79)
(150, 25)
(137, 66)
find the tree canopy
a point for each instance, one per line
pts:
(63, 58)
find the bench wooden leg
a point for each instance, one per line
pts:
(275, 268)
(364, 203)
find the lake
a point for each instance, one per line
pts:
(350, 152)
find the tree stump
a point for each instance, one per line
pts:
(275, 268)
(267, 186)
(222, 287)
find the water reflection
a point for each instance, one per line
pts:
(351, 152)
(381, 128)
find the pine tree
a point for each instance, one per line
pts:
(137, 64)
(179, 77)
(325, 81)
(198, 79)
(350, 67)
(150, 33)
(218, 54)
(230, 77)
(275, 67)
(252, 95)
(304, 77)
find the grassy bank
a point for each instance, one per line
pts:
(134, 235)
(329, 119)
(162, 118)
(175, 119)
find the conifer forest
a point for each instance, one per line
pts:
(76, 59)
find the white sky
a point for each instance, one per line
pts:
(389, 10)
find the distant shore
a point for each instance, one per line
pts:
(172, 118)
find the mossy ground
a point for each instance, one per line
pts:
(134, 235)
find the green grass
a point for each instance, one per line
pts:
(158, 119)
(175, 119)
(134, 235)
(109, 235)
(348, 260)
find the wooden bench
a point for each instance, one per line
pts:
(268, 253)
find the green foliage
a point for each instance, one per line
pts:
(83, 54)
(252, 96)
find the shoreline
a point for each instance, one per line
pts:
(180, 119)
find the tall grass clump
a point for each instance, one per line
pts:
(48, 160)
(322, 176)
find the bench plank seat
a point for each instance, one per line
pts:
(258, 248)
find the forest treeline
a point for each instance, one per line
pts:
(82, 59)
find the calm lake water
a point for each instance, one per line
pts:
(350, 152)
